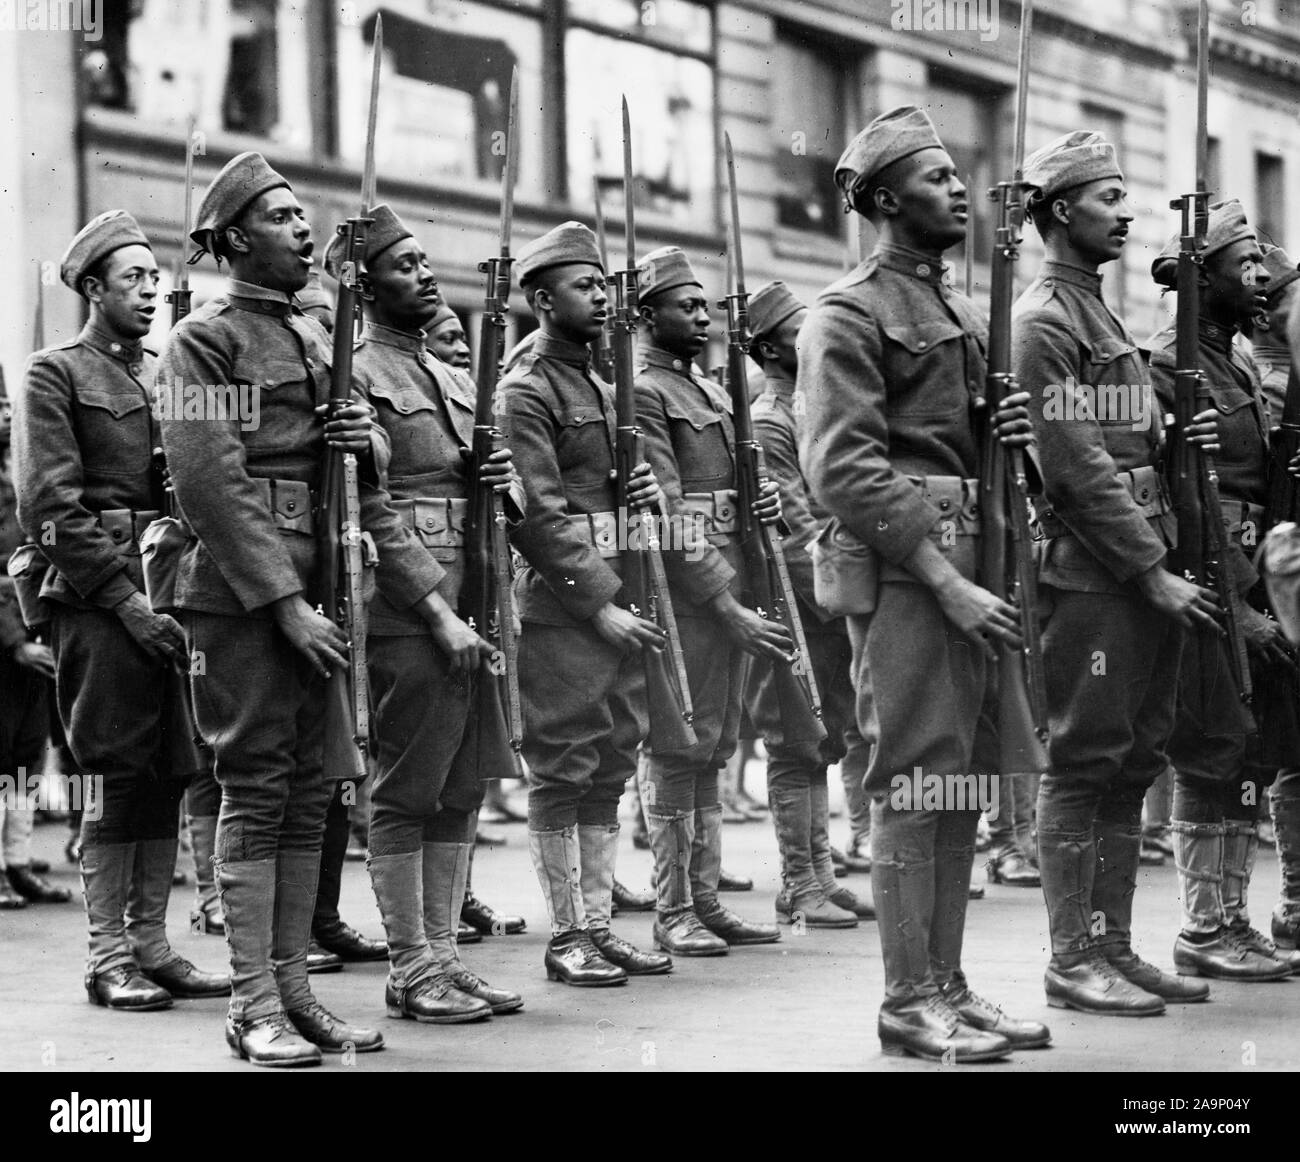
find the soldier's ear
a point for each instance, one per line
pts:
(365, 288)
(647, 314)
(1061, 211)
(235, 241)
(884, 200)
(767, 349)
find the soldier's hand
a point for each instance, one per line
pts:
(629, 633)
(463, 647)
(643, 489)
(1293, 465)
(350, 428)
(980, 614)
(498, 470)
(312, 634)
(752, 632)
(1264, 637)
(157, 634)
(768, 505)
(1203, 431)
(1185, 601)
(1011, 421)
(35, 656)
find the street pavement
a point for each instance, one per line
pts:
(808, 1003)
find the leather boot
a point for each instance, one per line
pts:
(328, 930)
(599, 848)
(1285, 811)
(113, 977)
(205, 916)
(482, 918)
(297, 875)
(1087, 981)
(929, 1027)
(984, 1015)
(571, 957)
(1226, 957)
(706, 864)
(1172, 989)
(446, 874)
(414, 988)
(677, 929)
(146, 926)
(802, 896)
(1009, 865)
(33, 887)
(628, 900)
(1240, 847)
(256, 1027)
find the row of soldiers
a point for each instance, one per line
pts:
(871, 415)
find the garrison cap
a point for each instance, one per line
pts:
(889, 138)
(386, 230)
(99, 237)
(444, 314)
(569, 242)
(663, 269)
(242, 180)
(1069, 161)
(313, 296)
(770, 307)
(1227, 225)
(1282, 272)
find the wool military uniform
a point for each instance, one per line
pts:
(1269, 347)
(84, 437)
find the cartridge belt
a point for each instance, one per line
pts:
(292, 504)
(601, 528)
(956, 498)
(1240, 516)
(439, 521)
(125, 526)
(1145, 485)
(716, 512)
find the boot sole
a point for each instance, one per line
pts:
(353, 1045)
(1062, 1003)
(151, 1007)
(661, 971)
(752, 943)
(1196, 970)
(505, 1007)
(455, 1019)
(584, 984)
(662, 947)
(821, 923)
(891, 1049)
(290, 1063)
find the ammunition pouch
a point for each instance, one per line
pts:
(439, 522)
(715, 513)
(1145, 485)
(125, 527)
(27, 568)
(956, 498)
(1243, 522)
(292, 504)
(601, 528)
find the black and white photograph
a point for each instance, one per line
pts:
(651, 536)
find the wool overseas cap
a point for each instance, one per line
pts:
(769, 308)
(386, 230)
(663, 269)
(445, 314)
(1069, 161)
(99, 237)
(1281, 269)
(242, 180)
(889, 138)
(1227, 225)
(569, 242)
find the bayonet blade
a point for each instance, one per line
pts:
(737, 259)
(183, 274)
(1022, 83)
(629, 200)
(511, 165)
(372, 119)
(1202, 96)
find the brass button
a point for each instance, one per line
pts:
(923, 269)
(945, 505)
(115, 348)
(921, 345)
(882, 525)
(291, 505)
(430, 523)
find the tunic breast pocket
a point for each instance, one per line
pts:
(702, 443)
(115, 432)
(269, 400)
(1120, 395)
(582, 444)
(925, 367)
(414, 426)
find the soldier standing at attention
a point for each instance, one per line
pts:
(246, 587)
(1111, 663)
(582, 683)
(429, 785)
(84, 436)
(1266, 329)
(1221, 765)
(891, 364)
(796, 771)
(691, 443)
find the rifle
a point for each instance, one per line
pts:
(769, 590)
(1006, 563)
(1193, 483)
(341, 559)
(180, 295)
(645, 582)
(486, 600)
(603, 348)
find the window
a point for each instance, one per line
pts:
(809, 99)
(444, 90)
(241, 65)
(962, 115)
(656, 54)
(1269, 197)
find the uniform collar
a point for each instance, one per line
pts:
(654, 356)
(905, 260)
(553, 347)
(412, 341)
(98, 338)
(779, 382)
(1067, 272)
(249, 296)
(1216, 335)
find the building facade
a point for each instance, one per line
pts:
(99, 121)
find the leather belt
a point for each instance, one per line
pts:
(1145, 485)
(439, 521)
(292, 504)
(1240, 515)
(125, 526)
(956, 497)
(715, 512)
(602, 530)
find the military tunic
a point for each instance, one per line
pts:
(248, 494)
(691, 445)
(583, 699)
(428, 782)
